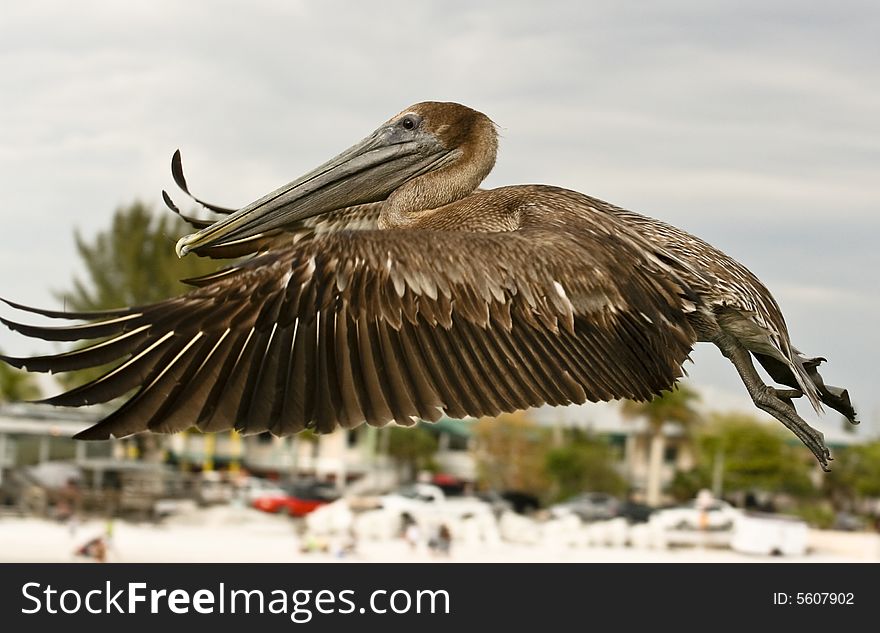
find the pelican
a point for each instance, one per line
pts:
(386, 285)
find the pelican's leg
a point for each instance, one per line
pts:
(769, 400)
(786, 395)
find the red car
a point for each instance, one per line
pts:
(298, 499)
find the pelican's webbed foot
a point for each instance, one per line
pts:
(767, 399)
(776, 402)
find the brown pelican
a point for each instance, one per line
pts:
(385, 285)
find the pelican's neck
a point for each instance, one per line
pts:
(427, 194)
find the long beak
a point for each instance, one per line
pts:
(367, 172)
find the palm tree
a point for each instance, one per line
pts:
(674, 407)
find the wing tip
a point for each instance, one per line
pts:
(96, 432)
(15, 361)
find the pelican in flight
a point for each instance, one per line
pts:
(386, 285)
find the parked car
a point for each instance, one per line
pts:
(589, 506)
(848, 522)
(212, 488)
(635, 512)
(714, 515)
(522, 502)
(252, 488)
(297, 499)
(496, 501)
(423, 501)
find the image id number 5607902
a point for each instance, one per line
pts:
(813, 597)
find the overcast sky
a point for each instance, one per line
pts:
(752, 124)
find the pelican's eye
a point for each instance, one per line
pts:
(410, 122)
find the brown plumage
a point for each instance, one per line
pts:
(385, 285)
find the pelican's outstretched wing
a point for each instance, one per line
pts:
(388, 325)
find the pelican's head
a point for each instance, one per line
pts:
(423, 138)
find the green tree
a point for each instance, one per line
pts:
(855, 475)
(583, 463)
(412, 449)
(749, 455)
(511, 453)
(670, 407)
(16, 385)
(131, 263)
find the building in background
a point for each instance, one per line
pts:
(31, 435)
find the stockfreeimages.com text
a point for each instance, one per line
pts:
(299, 604)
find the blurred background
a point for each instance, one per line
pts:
(750, 124)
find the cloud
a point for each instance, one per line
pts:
(824, 295)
